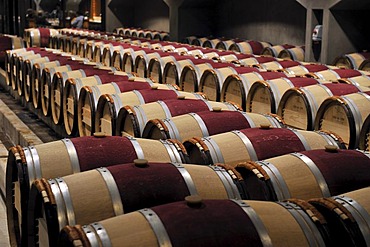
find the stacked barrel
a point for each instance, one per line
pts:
(175, 144)
(143, 33)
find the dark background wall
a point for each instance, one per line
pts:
(266, 20)
(149, 14)
(278, 22)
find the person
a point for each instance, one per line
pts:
(78, 21)
(58, 13)
(41, 19)
(316, 41)
(31, 18)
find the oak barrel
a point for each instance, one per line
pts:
(344, 115)
(47, 79)
(335, 74)
(89, 96)
(299, 105)
(206, 123)
(364, 142)
(109, 105)
(105, 75)
(68, 156)
(237, 87)
(273, 51)
(348, 217)
(306, 174)
(209, 223)
(296, 54)
(118, 190)
(71, 92)
(351, 60)
(132, 120)
(249, 47)
(252, 144)
(264, 95)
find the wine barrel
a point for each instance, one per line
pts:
(58, 41)
(279, 65)
(199, 41)
(157, 64)
(107, 56)
(348, 217)
(39, 37)
(296, 54)
(335, 74)
(67, 43)
(82, 47)
(116, 192)
(298, 106)
(212, 79)
(8, 62)
(205, 53)
(344, 115)
(206, 123)
(18, 73)
(256, 61)
(98, 51)
(188, 40)
(68, 156)
(351, 60)
(46, 82)
(37, 74)
(364, 143)
(365, 65)
(128, 58)
(162, 36)
(142, 62)
(273, 51)
(27, 76)
(12, 60)
(173, 70)
(76, 44)
(152, 44)
(225, 44)
(109, 105)
(142, 33)
(249, 47)
(71, 92)
(54, 41)
(59, 79)
(173, 47)
(191, 50)
(362, 80)
(305, 68)
(251, 144)
(89, 96)
(135, 56)
(132, 120)
(90, 48)
(306, 174)
(265, 96)
(230, 57)
(236, 87)
(9, 42)
(209, 223)
(211, 43)
(117, 57)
